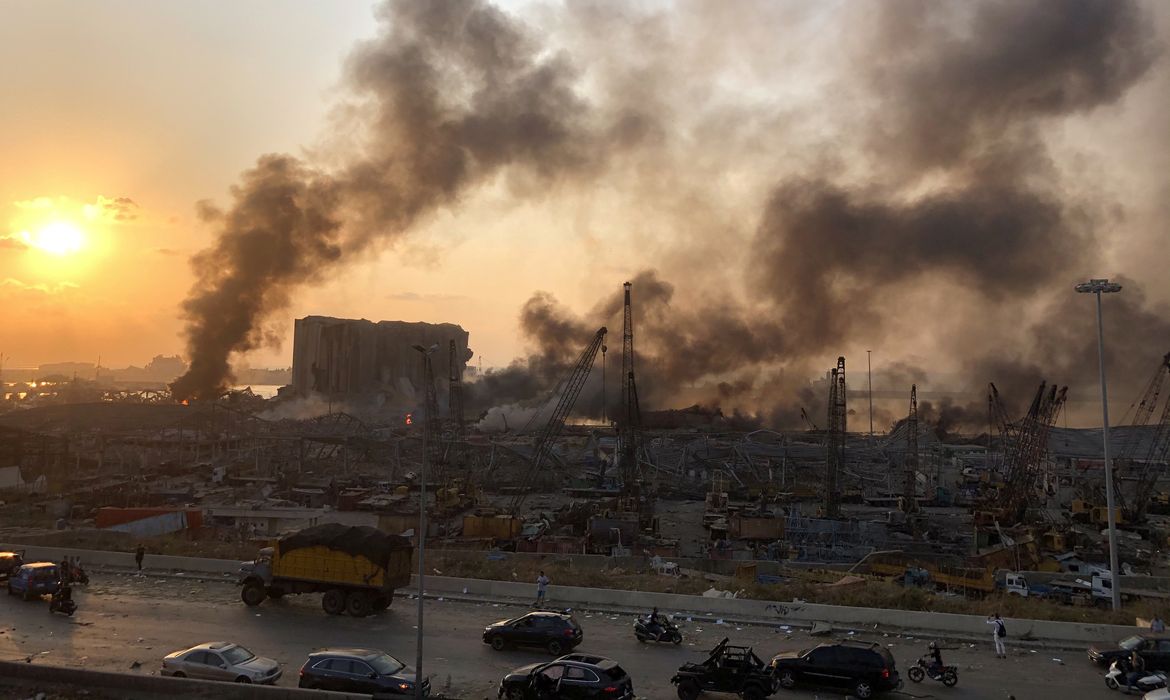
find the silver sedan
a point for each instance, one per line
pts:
(221, 661)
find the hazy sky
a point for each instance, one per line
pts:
(165, 103)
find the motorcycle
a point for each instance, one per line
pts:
(949, 675)
(1117, 676)
(644, 631)
(62, 602)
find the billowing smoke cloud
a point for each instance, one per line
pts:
(933, 205)
(965, 199)
(448, 95)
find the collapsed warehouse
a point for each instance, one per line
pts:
(1025, 495)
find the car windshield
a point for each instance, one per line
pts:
(385, 664)
(238, 655)
(1131, 643)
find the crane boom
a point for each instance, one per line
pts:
(570, 389)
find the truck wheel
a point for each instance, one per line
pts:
(688, 690)
(252, 594)
(382, 602)
(357, 604)
(333, 601)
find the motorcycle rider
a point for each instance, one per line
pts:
(1137, 669)
(62, 598)
(935, 667)
(654, 624)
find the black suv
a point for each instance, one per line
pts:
(557, 632)
(865, 669)
(728, 669)
(573, 677)
(359, 671)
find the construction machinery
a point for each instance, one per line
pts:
(570, 389)
(1025, 447)
(835, 440)
(910, 485)
(1144, 461)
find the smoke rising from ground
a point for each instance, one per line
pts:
(918, 206)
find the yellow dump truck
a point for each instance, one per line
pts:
(357, 568)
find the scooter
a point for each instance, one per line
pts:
(644, 632)
(1116, 677)
(62, 602)
(948, 675)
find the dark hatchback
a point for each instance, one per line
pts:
(1154, 649)
(359, 671)
(864, 669)
(556, 632)
(572, 677)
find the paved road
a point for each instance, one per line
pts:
(125, 619)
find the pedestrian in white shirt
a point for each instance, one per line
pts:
(542, 582)
(998, 632)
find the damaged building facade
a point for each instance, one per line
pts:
(340, 357)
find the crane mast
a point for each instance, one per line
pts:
(835, 439)
(629, 429)
(570, 389)
(909, 488)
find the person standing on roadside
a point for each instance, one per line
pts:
(1157, 626)
(138, 555)
(998, 632)
(542, 582)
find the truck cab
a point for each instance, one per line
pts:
(1015, 584)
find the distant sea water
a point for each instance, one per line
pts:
(265, 390)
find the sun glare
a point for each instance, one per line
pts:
(57, 238)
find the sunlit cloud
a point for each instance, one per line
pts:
(12, 285)
(115, 209)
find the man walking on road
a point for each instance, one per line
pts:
(998, 632)
(542, 582)
(138, 555)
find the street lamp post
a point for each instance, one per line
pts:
(1099, 287)
(422, 521)
(869, 370)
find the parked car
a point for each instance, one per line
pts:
(556, 632)
(221, 661)
(1155, 649)
(573, 677)
(10, 562)
(359, 671)
(34, 580)
(864, 669)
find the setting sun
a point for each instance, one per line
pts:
(57, 238)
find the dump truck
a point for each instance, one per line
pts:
(356, 568)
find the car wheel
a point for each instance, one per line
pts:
(950, 679)
(252, 594)
(498, 643)
(863, 690)
(179, 674)
(357, 604)
(515, 694)
(676, 638)
(555, 647)
(787, 680)
(754, 692)
(243, 679)
(688, 690)
(916, 674)
(333, 601)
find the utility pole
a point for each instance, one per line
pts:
(430, 442)
(869, 370)
(1099, 287)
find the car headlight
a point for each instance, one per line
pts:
(404, 686)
